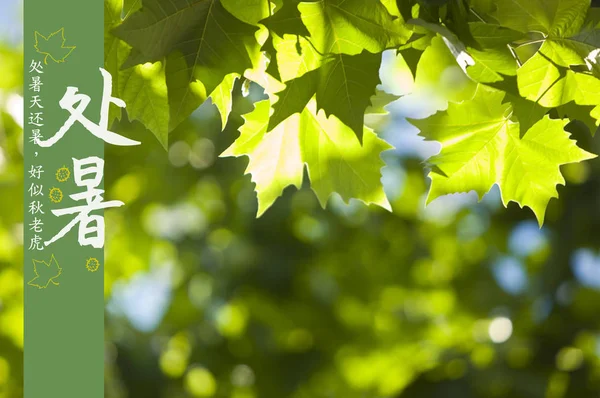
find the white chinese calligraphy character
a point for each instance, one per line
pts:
(36, 118)
(36, 225)
(36, 135)
(36, 190)
(35, 207)
(36, 84)
(89, 177)
(36, 67)
(36, 172)
(100, 130)
(36, 101)
(36, 243)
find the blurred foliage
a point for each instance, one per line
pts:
(203, 299)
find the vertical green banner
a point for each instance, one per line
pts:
(63, 224)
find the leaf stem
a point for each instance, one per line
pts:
(530, 42)
(477, 15)
(514, 54)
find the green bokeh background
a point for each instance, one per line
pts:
(462, 299)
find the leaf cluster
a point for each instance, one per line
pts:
(529, 68)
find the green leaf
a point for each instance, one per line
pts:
(144, 90)
(46, 273)
(526, 112)
(295, 56)
(491, 64)
(343, 87)
(481, 146)
(269, 48)
(130, 6)
(457, 18)
(275, 161)
(439, 73)
(542, 80)
(595, 113)
(560, 18)
(115, 50)
(376, 115)
(53, 46)
(493, 36)
(584, 114)
(286, 20)
(493, 58)
(532, 165)
(203, 41)
(249, 11)
(336, 162)
(186, 93)
(351, 26)
(222, 97)
(379, 101)
(560, 24)
(392, 7)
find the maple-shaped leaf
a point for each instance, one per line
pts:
(348, 36)
(435, 66)
(144, 90)
(552, 17)
(45, 273)
(493, 58)
(249, 11)
(222, 98)
(481, 146)
(202, 41)
(351, 26)
(286, 20)
(343, 86)
(335, 160)
(53, 46)
(570, 36)
(542, 80)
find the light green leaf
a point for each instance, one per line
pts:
(392, 7)
(595, 113)
(560, 18)
(295, 56)
(493, 59)
(336, 162)
(541, 80)
(481, 147)
(561, 23)
(351, 26)
(222, 97)
(439, 73)
(144, 90)
(493, 36)
(491, 64)
(275, 161)
(532, 165)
